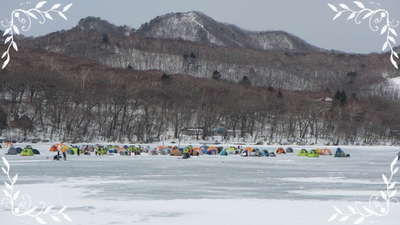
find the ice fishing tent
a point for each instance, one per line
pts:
(27, 152)
(125, 152)
(120, 150)
(324, 151)
(35, 151)
(231, 150)
(264, 152)
(196, 151)
(280, 151)
(112, 151)
(204, 149)
(303, 152)
(213, 150)
(223, 152)
(73, 150)
(19, 150)
(289, 150)
(313, 154)
(176, 152)
(248, 151)
(159, 150)
(53, 148)
(258, 152)
(12, 151)
(341, 154)
(154, 151)
(165, 151)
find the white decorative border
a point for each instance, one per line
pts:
(379, 21)
(21, 20)
(21, 206)
(379, 205)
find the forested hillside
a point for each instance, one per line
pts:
(64, 98)
(302, 68)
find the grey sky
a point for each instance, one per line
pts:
(310, 20)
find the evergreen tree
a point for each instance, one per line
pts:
(340, 97)
(165, 77)
(343, 98)
(105, 38)
(280, 95)
(216, 75)
(245, 81)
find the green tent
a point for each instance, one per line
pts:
(313, 154)
(27, 152)
(303, 152)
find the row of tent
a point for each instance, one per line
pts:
(96, 149)
(190, 150)
(27, 151)
(317, 152)
(245, 152)
(174, 151)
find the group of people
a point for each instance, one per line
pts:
(58, 156)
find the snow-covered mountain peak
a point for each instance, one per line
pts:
(198, 27)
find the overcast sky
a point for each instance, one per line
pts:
(310, 20)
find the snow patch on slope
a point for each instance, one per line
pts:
(395, 82)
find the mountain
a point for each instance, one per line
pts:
(301, 68)
(102, 26)
(198, 27)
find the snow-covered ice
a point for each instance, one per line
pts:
(150, 190)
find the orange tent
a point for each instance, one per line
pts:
(53, 148)
(249, 149)
(161, 147)
(196, 151)
(324, 151)
(213, 150)
(280, 151)
(8, 144)
(120, 149)
(175, 152)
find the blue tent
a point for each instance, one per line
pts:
(224, 152)
(340, 153)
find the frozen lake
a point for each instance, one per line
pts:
(203, 190)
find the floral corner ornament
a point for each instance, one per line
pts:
(379, 205)
(20, 205)
(21, 20)
(379, 21)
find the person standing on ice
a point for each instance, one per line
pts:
(57, 157)
(398, 156)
